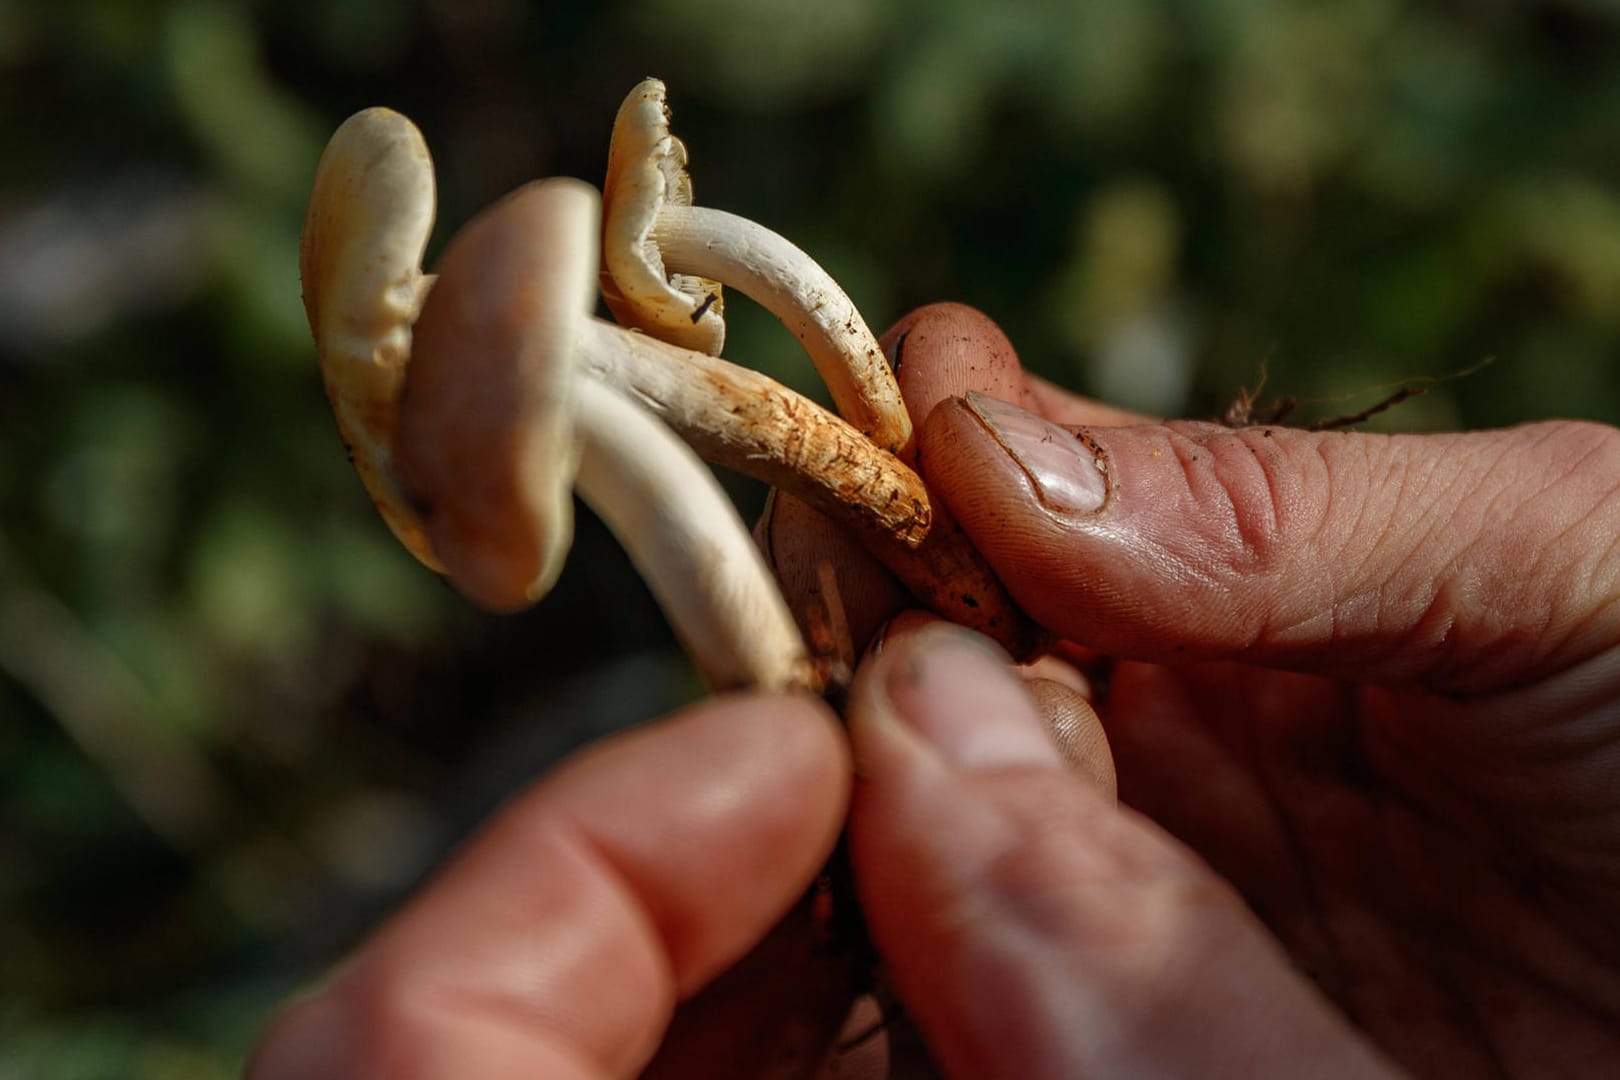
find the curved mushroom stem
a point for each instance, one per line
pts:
(660, 255)
(743, 420)
(683, 534)
(788, 283)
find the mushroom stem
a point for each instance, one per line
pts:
(654, 239)
(498, 423)
(683, 534)
(743, 420)
(788, 283)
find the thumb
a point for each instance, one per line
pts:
(1033, 929)
(1467, 562)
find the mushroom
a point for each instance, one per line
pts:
(370, 215)
(472, 409)
(733, 416)
(655, 243)
(737, 417)
(659, 253)
(498, 422)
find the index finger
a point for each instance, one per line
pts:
(559, 940)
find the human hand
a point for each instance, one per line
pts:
(1373, 681)
(1439, 858)
(557, 942)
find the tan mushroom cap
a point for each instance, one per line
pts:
(485, 441)
(369, 218)
(646, 171)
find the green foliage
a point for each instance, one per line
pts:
(236, 720)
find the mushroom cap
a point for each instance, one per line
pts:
(647, 171)
(360, 256)
(485, 441)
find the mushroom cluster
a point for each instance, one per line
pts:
(475, 400)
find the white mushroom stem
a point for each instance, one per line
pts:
(736, 417)
(683, 534)
(664, 261)
(498, 423)
(791, 285)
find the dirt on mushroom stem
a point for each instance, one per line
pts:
(786, 281)
(741, 419)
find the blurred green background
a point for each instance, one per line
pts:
(237, 723)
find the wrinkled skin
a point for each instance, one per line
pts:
(1362, 696)
(1442, 855)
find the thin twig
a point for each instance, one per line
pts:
(1333, 423)
(1243, 413)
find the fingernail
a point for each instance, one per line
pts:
(1070, 473)
(958, 690)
